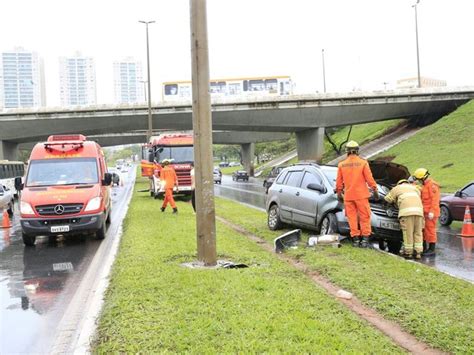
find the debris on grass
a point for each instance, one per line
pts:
(289, 240)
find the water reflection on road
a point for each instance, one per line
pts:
(455, 255)
(37, 284)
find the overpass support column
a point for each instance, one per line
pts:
(310, 144)
(248, 152)
(9, 150)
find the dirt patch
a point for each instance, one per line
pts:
(389, 328)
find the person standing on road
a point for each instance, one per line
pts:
(430, 196)
(168, 176)
(410, 213)
(353, 176)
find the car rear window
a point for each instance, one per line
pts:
(281, 178)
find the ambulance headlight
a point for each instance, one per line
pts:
(94, 204)
(25, 208)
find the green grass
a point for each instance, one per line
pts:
(433, 306)
(445, 148)
(153, 304)
(362, 133)
(230, 169)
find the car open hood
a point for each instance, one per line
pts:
(388, 173)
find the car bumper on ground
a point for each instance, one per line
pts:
(54, 226)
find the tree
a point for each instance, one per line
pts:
(334, 144)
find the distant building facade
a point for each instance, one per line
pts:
(77, 81)
(21, 79)
(128, 82)
(411, 83)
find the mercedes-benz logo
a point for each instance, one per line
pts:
(59, 209)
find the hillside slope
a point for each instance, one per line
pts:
(445, 148)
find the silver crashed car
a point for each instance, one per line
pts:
(303, 195)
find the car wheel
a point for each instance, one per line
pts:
(445, 218)
(28, 240)
(273, 221)
(10, 210)
(328, 224)
(100, 234)
(394, 246)
(382, 244)
(109, 217)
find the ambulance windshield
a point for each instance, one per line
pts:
(53, 172)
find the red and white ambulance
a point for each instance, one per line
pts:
(66, 189)
(178, 148)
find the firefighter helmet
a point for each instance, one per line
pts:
(421, 174)
(352, 146)
(402, 181)
(165, 161)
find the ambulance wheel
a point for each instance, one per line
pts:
(100, 234)
(28, 240)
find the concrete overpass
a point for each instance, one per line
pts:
(307, 115)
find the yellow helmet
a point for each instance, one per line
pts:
(421, 173)
(165, 161)
(352, 146)
(402, 181)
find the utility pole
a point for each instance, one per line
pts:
(417, 50)
(324, 71)
(150, 118)
(202, 128)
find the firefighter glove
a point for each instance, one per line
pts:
(430, 215)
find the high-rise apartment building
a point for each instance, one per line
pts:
(77, 82)
(128, 82)
(21, 79)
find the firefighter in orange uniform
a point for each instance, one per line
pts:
(430, 196)
(353, 177)
(168, 176)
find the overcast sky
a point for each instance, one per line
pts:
(367, 42)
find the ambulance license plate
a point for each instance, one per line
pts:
(59, 229)
(390, 225)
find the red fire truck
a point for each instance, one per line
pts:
(178, 147)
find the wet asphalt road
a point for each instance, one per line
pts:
(37, 284)
(454, 256)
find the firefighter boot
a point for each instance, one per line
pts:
(175, 210)
(356, 242)
(162, 209)
(431, 250)
(364, 242)
(425, 246)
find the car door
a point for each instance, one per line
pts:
(287, 194)
(306, 207)
(458, 205)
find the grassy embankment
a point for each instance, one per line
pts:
(445, 148)
(154, 304)
(433, 306)
(362, 133)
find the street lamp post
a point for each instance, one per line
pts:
(324, 71)
(150, 121)
(417, 50)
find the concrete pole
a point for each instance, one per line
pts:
(202, 128)
(150, 118)
(248, 152)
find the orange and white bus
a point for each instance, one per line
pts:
(231, 88)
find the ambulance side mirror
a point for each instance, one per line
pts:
(107, 181)
(18, 184)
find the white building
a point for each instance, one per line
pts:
(21, 79)
(129, 86)
(77, 82)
